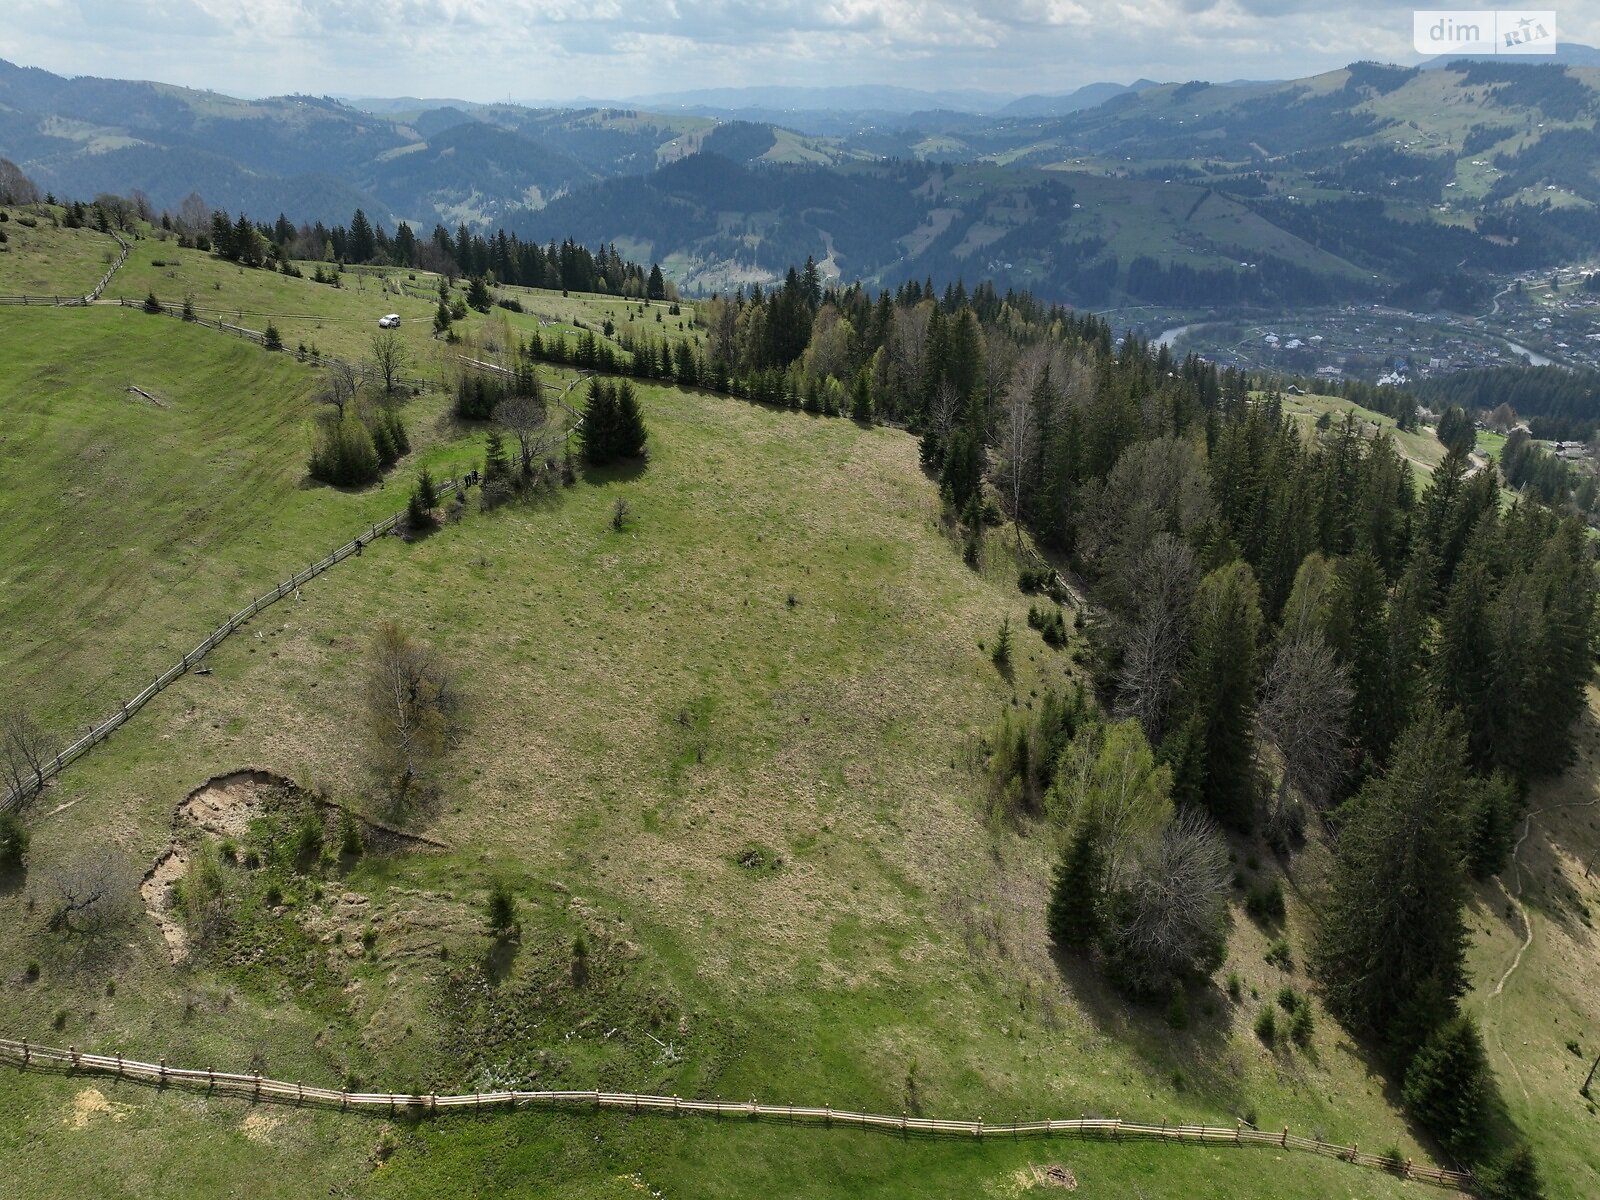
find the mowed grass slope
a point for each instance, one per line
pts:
(135, 527)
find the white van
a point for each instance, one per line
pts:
(392, 321)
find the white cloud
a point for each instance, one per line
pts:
(491, 49)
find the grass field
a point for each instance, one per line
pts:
(45, 260)
(726, 749)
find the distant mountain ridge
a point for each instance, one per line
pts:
(1365, 181)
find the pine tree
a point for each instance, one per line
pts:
(630, 435)
(1447, 1084)
(1513, 1175)
(362, 245)
(478, 296)
(597, 434)
(1073, 917)
(861, 397)
(1219, 689)
(426, 492)
(1391, 947)
(496, 462)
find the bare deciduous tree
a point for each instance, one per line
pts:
(1022, 412)
(15, 187)
(908, 348)
(341, 384)
(1169, 916)
(91, 895)
(24, 750)
(526, 417)
(1157, 485)
(1155, 634)
(390, 358)
(943, 407)
(412, 706)
(1303, 715)
(194, 218)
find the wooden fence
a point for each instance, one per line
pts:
(99, 732)
(256, 1087)
(260, 339)
(78, 301)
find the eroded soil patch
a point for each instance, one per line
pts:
(225, 806)
(159, 900)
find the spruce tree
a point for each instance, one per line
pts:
(1074, 913)
(1447, 1084)
(1219, 689)
(1391, 946)
(598, 433)
(496, 463)
(630, 433)
(861, 398)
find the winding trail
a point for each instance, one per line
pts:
(1516, 896)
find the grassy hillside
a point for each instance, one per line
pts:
(727, 750)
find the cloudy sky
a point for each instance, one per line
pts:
(556, 49)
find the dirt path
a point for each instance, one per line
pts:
(1515, 896)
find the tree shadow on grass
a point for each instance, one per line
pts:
(622, 471)
(1197, 1058)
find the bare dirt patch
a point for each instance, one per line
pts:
(226, 804)
(91, 1103)
(1052, 1176)
(258, 1126)
(156, 891)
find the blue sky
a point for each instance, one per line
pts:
(551, 49)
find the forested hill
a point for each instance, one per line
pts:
(1372, 181)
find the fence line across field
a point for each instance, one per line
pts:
(98, 733)
(257, 1087)
(260, 339)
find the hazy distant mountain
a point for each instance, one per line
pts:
(848, 99)
(1568, 54)
(393, 105)
(1089, 95)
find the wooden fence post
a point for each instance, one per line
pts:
(1284, 1140)
(24, 1051)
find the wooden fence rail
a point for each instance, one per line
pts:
(258, 1088)
(99, 732)
(260, 339)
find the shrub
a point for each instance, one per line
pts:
(1513, 1175)
(351, 843)
(1178, 1010)
(1050, 624)
(501, 907)
(1235, 986)
(1033, 579)
(1301, 1023)
(1002, 645)
(13, 841)
(308, 837)
(1279, 955)
(1447, 1084)
(1267, 1025)
(151, 304)
(1264, 901)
